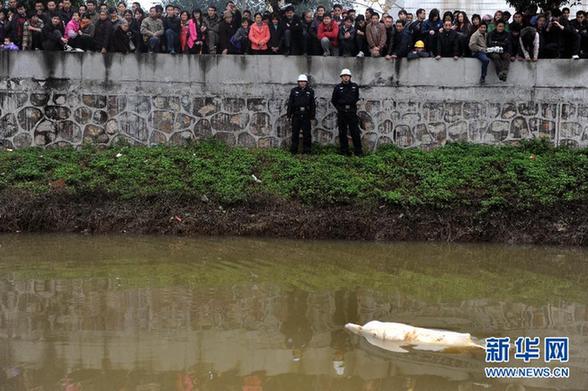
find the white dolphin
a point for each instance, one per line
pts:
(396, 336)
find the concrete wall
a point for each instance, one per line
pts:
(54, 99)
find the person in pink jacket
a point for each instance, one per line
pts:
(195, 35)
(328, 34)
(259, 35)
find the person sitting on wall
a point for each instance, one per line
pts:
(580, 25)
(152, 31)
(478, 47)
(171, 27)
(328, 35)
(347, 38)
(498, 41)
(292, 26)
(122, 39)
(33, 33)
(53, 35)
(72, 33)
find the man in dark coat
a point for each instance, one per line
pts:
(401, 42)
(448, 42)
(171, 28)
(227, 28)
(53, 35)
(66, 12)
(102, 32)
(51, 12)
(580, 25)
(15, 28)
(390, 31)
(120, 41)
(347, 36)
(292, 26)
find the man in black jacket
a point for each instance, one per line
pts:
(390, 31)
(345, 98)
(15, 28)
(307, 33)
(301, 110)
(580, 25)
(66, 11)
(448, 42)
(171, 28)
(416, 28)
(51, 12)
(53, 35)
(347, 38)
(120, 41)
(499, 49)
(292, 26)
(401, 42)
(227, 28)
(102, 32)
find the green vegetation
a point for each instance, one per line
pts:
(458, 175)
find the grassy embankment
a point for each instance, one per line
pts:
(467, 191)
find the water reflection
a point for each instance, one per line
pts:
(120, 313)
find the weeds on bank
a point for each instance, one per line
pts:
(530, 175)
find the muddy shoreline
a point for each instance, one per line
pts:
(99, 213)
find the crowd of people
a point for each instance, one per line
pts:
(503, 38)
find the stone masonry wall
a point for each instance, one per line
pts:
(60, 99)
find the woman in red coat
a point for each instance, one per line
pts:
(259, 35)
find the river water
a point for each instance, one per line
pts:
(113, 313)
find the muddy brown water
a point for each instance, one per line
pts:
(113, 313)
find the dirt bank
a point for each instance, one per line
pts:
(98, 213)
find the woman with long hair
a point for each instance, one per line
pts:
(184, 31)
(476, 20)
(464, 29)
(431, 28)
(195, 37)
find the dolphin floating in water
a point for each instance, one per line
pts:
(397, 336)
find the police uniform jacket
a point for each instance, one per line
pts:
(302, 101)
(345, 96)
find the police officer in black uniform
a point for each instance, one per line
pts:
(301, 109)
(345, 98)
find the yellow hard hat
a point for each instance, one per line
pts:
(419, 44)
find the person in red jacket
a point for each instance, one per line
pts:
(328, 34)
(259, 35)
